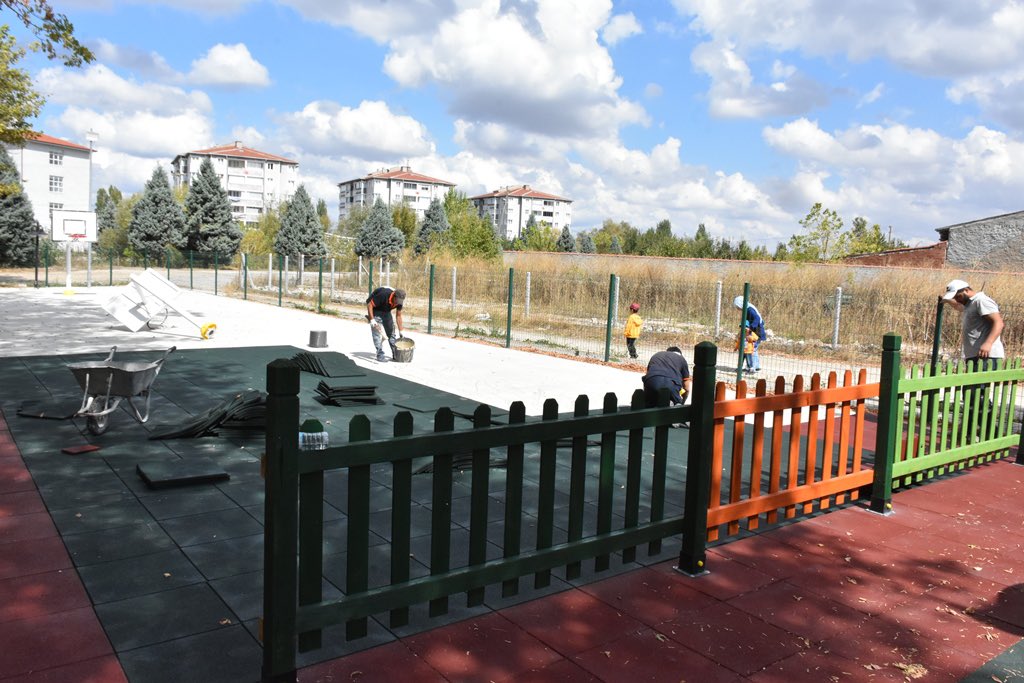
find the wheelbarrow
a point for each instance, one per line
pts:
(107, 382)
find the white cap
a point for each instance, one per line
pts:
(738, 302)
(953, 287)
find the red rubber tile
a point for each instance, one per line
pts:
(949, 626)
(100, 670)
(24, 527)
(572, 621)
(1008, 607)
(651, 656)
(25, 597)
(769, 555)
(725, 578)
(488, 648)
(857, 588)
(376, 665)
(819, 666)
(733, 638)
(651, 596)
(14, 476)
(50, 641)
(799, 611)
(21, 503)
(966, 592)
(33, 556)
(563, 671)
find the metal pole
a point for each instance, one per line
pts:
(36, 257)
(46, 265)
(88, 264)
(718, 308)
(280, 278)
(615, 301)
(320, 288)
(369, 274)
(191, 269)
(526, 307)
(743, 331)
(270, 271)
(937, 336)
(216, 271)
(508, 315)
(611, 312)
(167, 252)
(835, 317)
(430, 302)
(454, 280)
(332, 279)
(885, 436)
(111, 270)
(700, 454)
(67, 263)
(245, 277)
(285, 279)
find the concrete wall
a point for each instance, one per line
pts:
(35, 169)
(933, 256)
(995, 243)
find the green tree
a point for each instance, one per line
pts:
(624, 233)
(209, 226)
(615, 247)
(301, 232)
(17, 221)
(321, 212)
(823, 240)
(114, 194)
(114, 239)
(702, 246)
(353, 222)
(18, 101)
(54, 33)
(585, 243)
(378, 236)
(566, 242)
(542, 238)
(527, 233)
(106, 216)
(473, 235)
(404, 218)
(157, 219)
(259, 240)
(435, 230)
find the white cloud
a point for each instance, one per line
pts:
(229, 66)
(369, 131)
(735, 94)
(652, 90)
(100, 88)
(147, 64)
(871, 96)
(620, 27)
(381, 21)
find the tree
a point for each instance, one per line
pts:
(321, 212)
(259, 240)
(543, 237)
(435, 231)
(157, 219)
(378, 236)
(527, 232)
(404, 218)
(566, 241)
(301, 231)
(106, 216)
(114, 194)
(615, 247)
(53, 31)
(824, 239)
(18, 101)
(17, 220)
(585, 243)
(470, 235)
(209, 226)
(702, 246)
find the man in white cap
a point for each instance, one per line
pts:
(982, 323)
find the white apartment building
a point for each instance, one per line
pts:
(511, 207)
(255, 181)
(54, 174)
(393, 186)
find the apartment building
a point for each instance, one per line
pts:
(511, 207)
(393, 185)
(255, 181)
(54, 174)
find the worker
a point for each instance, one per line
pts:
(667, 370)
(379, 305)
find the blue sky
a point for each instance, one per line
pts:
(739, 115)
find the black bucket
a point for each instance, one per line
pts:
(403, 350)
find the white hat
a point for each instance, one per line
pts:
(738, 302)
(953, 287)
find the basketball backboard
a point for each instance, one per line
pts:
(72, 226)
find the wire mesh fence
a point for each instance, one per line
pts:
(579, 313)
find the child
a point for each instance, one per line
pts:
(749, 348)
(633, 325)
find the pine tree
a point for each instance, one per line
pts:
(106, 216)
(17, 221)
(566, 241)
(301, 231)
(379, 236)
(585, 244)
(321, 213)
(435, 229)
(208, 222)
(615, 247)
(157, 219)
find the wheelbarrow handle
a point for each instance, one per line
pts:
(167, 353)
(110, 356)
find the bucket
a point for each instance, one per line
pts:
(403, 350)
(318, 339)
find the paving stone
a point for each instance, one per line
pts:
(211, 526)
(227, 655)
(107, 545)
(136, 576)
(163, 616)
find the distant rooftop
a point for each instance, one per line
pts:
(400, 173)
(50, 140)
(237, 149)
(521, 191)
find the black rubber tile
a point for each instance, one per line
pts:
(227, 558)
(336, 536)
(244, 492)
(76, 520)
(211, 526)
(136, 576)
(163, 616)
(186, 501)
(336, 567)
(108, 545)
(194, 471)
(227, 655)
(243, 593)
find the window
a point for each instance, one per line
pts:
(236, 163)
(237, 208)
(56, 183)
(56, 159)
(254, 164)
(425, 188)
(55, 205)
(409, 186)
(234, 194)
(270, 166)
(547, 214)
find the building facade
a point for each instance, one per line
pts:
(392, 186)
(994, 243)
(255, 181)
(55, 174)
(510, 209)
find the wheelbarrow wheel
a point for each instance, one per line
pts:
(97, 424)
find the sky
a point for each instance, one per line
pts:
(739, 115)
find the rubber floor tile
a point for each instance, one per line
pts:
(1008, 607)
(136, 576)
(562, 671)
(227, 558)
(14, 476)
(725, 578)
(181, 503)
(95, 517)
(99, 670)
(854, 587)
(969, 632)
(211, 526)
(649, 596)
(572, 621)
(488, 648)
(21, 503)
(733, 638)
(376, 665)
(227, 655)
(650, 655)
(770, 556)
(32, 556)
(108, 545)
(25, 597)
(26, 527)
(65, 637)
(815, 667)
(798, 611)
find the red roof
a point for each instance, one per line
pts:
(402, 173)
(239, 150)
(521, 191)
(50, 140)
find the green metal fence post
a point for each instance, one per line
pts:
(885, 437)
(280, 278)
(191, 268)
(46, 265)
(320, 289)
(611, 313)
(743, 332)
(110, 270)
(937, 337)
(700, 453)
(168, 251)
(430, 302)
(216, 271)
(369, 281)
(145, 261)
(281, 515)
(508, 315)
(245, 277)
